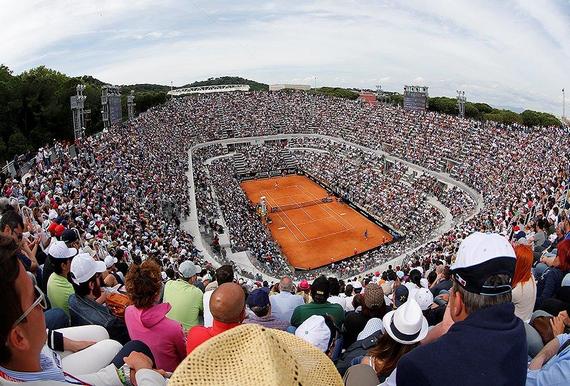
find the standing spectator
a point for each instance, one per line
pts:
(487, 342)
(184, 297)
(284, 303)
(146, 320)
(228, 309)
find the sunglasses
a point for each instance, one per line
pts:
(40, 300)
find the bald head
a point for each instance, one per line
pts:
(286, 285)
(227, 303)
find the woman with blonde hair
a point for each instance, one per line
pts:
(523, 284)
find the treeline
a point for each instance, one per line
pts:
(336, 92)
(482, 111)
(35, 107)
(253, 86)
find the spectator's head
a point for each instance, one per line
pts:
(320, 289)
(481, 274)
(334, 286)
(287, 285)
(431, 277)
(523, 265)
(400, 295)
(71, 238)
(304, 286)
(188, 271)
(405, 328)
(320, 331)
(357, 286)
(415, 277)
(373, 296)
(258, 302)
(562, 259)
(22, 322)
(60, 257)
(227, 303)
(224, 274)
(254, 355)
(348, 290)
(143, 283)
(86, 275)
(12, 225)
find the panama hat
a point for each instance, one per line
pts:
(407, 324)
(253, 355)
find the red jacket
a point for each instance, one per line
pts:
(199, 334)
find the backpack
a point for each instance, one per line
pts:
(355, 350)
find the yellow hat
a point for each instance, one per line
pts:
(253, 355)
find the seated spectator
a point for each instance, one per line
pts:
(12, 225)
(146, 320)
(224, 274)
(24, 354)
(253, 355)
(258, 302)
(405, 328)
(335, 293)
(524, 285)
(304, 290)
(284, 303)
(59, 288)
(486, 338)
(550, 281)
(321, 332)
(184, 297)
(228, 310)
(373, 306)
(356, 288)
(442, 281)
(320, 292)
(551, 366)
(83, 305)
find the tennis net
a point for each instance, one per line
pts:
(297, 205)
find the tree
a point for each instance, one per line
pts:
(17, 144)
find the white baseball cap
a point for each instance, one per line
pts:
(188, 269)
(58, 250)
(315, 331)
(83, 268)
(110, 260)
(424, 297)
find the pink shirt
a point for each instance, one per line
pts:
(163, 336)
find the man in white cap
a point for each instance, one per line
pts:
(184, 297)
(84, 307)
(59, 289)
(487, 343)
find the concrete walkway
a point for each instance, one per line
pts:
(192, 227)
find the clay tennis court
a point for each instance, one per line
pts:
(315, 235)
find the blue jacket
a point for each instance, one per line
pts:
(487, 348)
(548, 285)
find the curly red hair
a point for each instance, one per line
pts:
(143, 283)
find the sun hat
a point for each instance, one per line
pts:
(315, 331)
(83, 267)
(250, 354)
(373, 295)
(304, 285)
(480, 256)
(58, 250)
(407, 324)
(356, 285)
(188, 269)
(373, 325)
(423, 297)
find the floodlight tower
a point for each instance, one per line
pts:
(461, 103)
(77, 111)
(563, 104)
(131, 105)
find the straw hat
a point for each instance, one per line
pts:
(252, 355)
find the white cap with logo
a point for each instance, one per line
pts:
(83, 268)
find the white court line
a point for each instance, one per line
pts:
(285, 223)
(337, 219)
(292, 222)
(303, 209)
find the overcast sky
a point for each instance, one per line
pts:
(506, 53)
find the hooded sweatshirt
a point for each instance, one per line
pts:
(487, 348)
(163, 336)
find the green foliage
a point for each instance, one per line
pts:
(253, 86)
(18, 143)
(535, 118)
(443, 105)
(336, 92)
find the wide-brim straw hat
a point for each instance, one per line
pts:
(253, 355)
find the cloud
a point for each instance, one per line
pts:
(506, 53)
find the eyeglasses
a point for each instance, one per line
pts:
(40, 299)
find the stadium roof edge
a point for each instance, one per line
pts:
(208, 89)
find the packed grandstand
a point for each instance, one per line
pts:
(127, 246)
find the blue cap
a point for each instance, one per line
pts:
(258, 298)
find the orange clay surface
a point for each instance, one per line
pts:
(315, 235)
